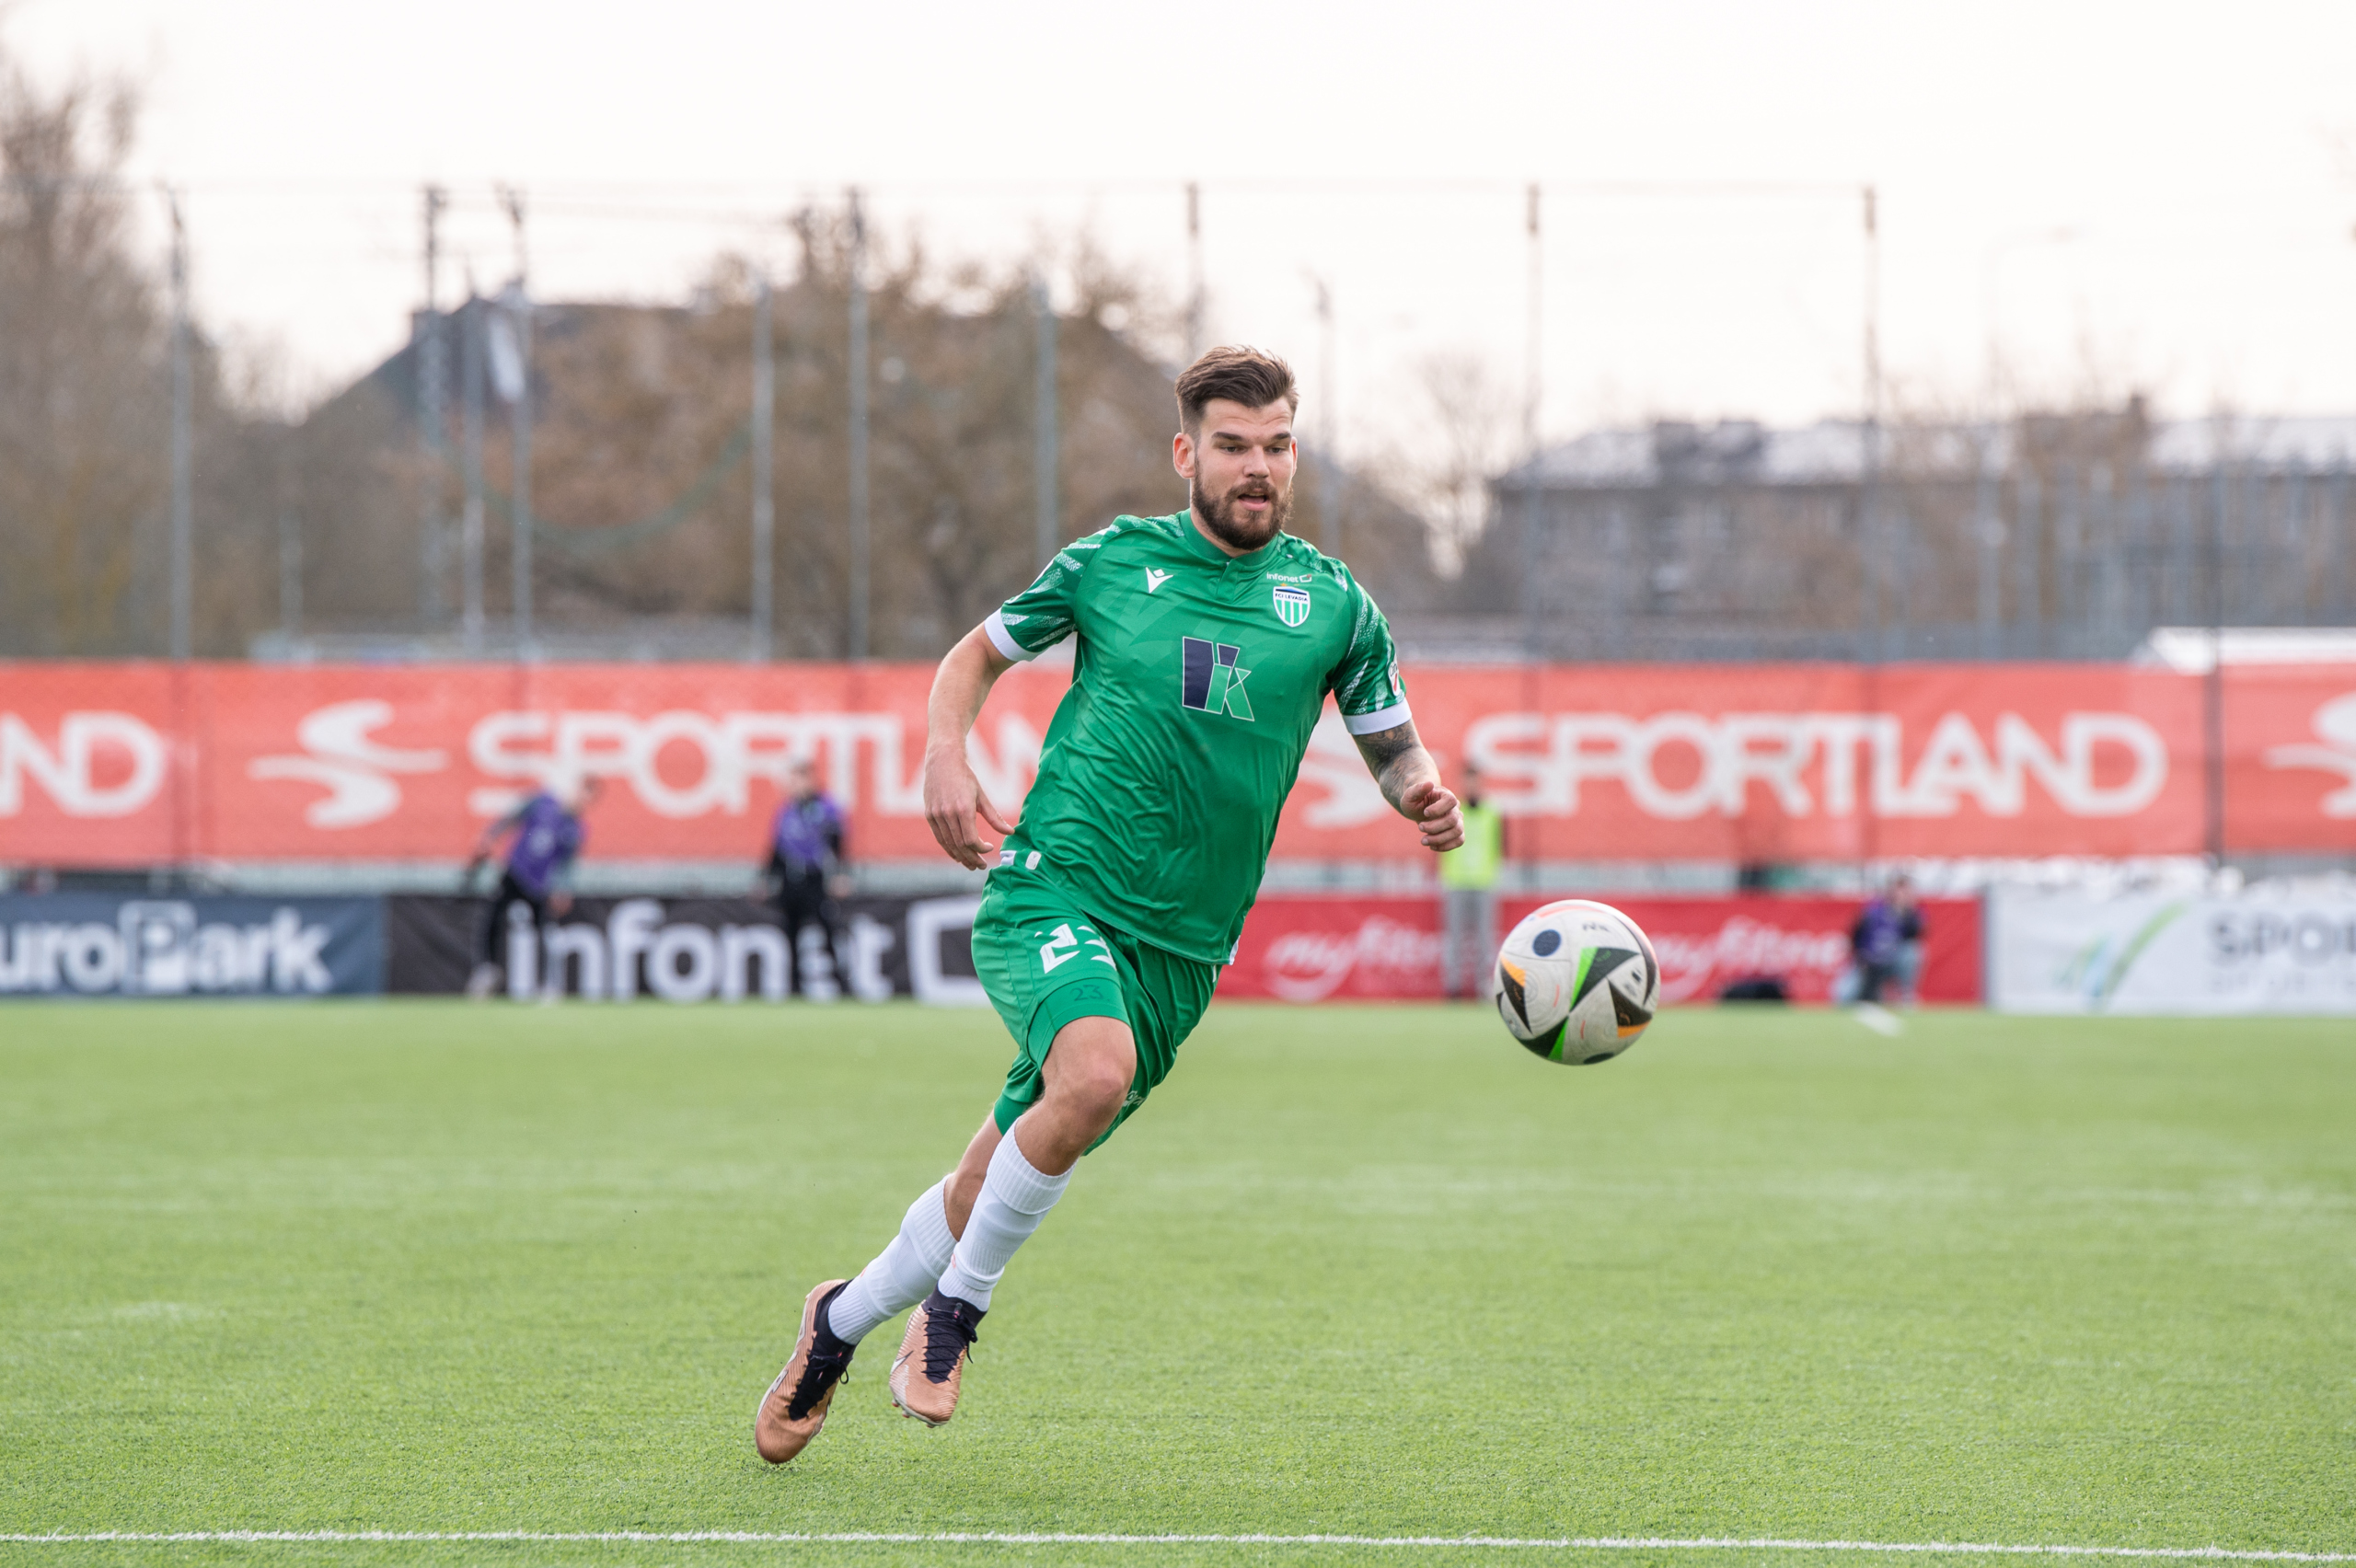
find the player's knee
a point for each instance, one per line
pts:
(1092, 1065)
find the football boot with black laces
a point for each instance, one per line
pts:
(795, 1406)
(933, 1358)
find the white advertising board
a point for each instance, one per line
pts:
(2261, 952)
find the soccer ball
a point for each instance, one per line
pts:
(1576, 982)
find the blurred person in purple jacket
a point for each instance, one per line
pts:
(805, 875)
(548, 837)
(1886, 944)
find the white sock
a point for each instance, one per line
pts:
(1015, 1197)
(902, 1274)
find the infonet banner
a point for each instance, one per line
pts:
(131, 764)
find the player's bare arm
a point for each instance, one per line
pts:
(953, 796)
(1410, 782)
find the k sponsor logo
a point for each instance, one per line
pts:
(1213, 679)
(1292, 603)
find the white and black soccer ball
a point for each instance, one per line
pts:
(1576, 982)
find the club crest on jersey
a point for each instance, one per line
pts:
(1213, 679)
(1292, 603)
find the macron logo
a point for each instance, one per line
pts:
(1154, 580)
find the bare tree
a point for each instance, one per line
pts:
(1473, 421)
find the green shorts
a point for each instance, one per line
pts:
(1045, 962)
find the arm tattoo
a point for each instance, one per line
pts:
(1397, 760)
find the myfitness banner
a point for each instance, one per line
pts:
(1343, 949)
(131, 764)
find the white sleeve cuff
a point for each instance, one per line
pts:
(1003, 640)
(1381, 718)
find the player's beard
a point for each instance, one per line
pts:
(1225, 519)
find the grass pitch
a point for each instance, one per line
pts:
(416, 1267)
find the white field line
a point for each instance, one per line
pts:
(1053, 1537)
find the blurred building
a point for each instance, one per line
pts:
(2052, 536)
(642, 481)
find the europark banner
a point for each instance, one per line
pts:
(143, 764)
(730, 949)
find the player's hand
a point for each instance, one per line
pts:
(953, 799)
(1432, 807)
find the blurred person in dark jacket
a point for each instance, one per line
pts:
(805, 874)
(1886, 944)
(549, 835)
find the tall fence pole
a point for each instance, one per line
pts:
(183, 546)
(1195, 328)
(1534, 347)
(520, 575)
(470, 371)
(1871, 567)
(764, 641)
(859, 496)
(1046, 456)
(1329, 428)
(520, 414)
(431, 379)
(1990, 530)
(2213, 689)
(290, 575)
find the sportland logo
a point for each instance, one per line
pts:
(2334, 725)
(339, 757)
(2106, 765)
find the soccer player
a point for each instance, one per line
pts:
(1206, 643)
(548, 836)
(805, 866)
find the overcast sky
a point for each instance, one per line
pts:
(2146, 196)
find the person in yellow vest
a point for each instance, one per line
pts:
(1468, 880)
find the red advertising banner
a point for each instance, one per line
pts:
(1313, 948)
(129, 764)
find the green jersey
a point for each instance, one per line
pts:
(1196, 680)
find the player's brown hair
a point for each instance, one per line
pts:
(1239, 374)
